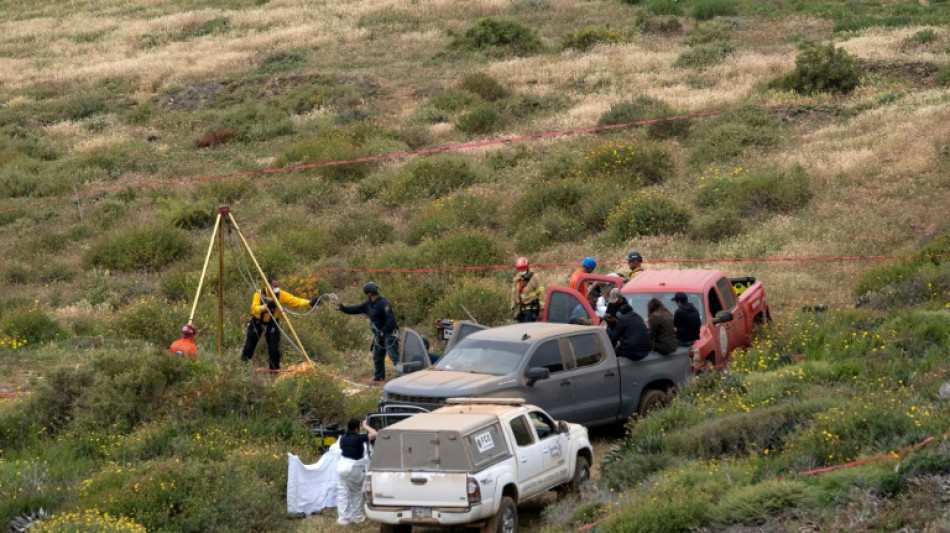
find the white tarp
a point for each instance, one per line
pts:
(312, 488)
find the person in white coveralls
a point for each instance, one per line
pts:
(351, 470)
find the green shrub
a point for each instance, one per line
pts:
(316, 396)
(481, 119)
(646, 213)
(921, 37)
(326, 147)
(304, 190)
(151, 319)
(549, 228)
(723, 138)
(75, 107)
(925, 464)
(367, 229)
(754, 504)
(709, 32)
(627, 163)
(710, 9)
(586, 38)
(716, 224)
(705, 55)
(33, 325)
(52, 272)
(448, 214)
(485, 299)
(644, 108)
(453, 100)
(186, 215)
(281, 61)
(524, 105)
(256, 122)
(942, 76)
(754, 192)
(144, 249)
(432, 177)
(499, 36)
(627, 471)
(663, 7)
(463, 248)
(662, 25)
(428, 114)
(558, 197)
(821, 69)
(226, 191)
(484, 86)
(194, 30)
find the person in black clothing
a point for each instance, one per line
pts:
(685, 320)
(351, 470)
(629, 334)
(382, 321)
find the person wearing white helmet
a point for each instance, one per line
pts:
(382, 320)
(526, 293)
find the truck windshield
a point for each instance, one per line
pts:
(638, 301)
(484, 357)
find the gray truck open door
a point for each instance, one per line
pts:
(413, 355)
(462, 329)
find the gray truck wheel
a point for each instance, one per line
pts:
(506, 521)
(581, 475)
(652, 399)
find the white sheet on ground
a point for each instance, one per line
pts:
(312, 488)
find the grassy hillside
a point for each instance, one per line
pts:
(818, 130)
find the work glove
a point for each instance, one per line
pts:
(271, 305)
(314, 301)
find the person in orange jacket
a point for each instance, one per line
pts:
(185, 346)
(587, 266)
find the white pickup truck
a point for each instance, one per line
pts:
(471, 462)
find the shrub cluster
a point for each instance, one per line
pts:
(754, 192)
(821, 69)
(588, 37)
(710, 9)
(448, 214)
(32, 326)
(646, 108)
(723, 138)
(627, 164)
(433, 177)
(705, 55)
(499, 37)
(646, 213)
(145, 249)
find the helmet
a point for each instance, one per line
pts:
(634, 256)
(522, 263)
(371, 288)
(188, 330)
(589, 262)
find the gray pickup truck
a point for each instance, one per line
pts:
(570, 371)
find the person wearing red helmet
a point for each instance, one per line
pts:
(526, 293)
(185, 346)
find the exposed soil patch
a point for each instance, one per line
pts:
(914, 72)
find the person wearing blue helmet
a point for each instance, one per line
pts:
(587, 266)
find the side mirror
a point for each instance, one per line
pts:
(562, 427)
(722, 316)
(536, 373)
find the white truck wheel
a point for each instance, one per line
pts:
(506, 520)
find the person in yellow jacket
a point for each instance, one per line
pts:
(634, 264)
(265, 318)
(526, 293)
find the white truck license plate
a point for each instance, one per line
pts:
(422, 512)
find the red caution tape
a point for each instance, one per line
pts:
(428, 151)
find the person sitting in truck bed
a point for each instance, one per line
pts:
(685, 320)
(629, 334)
(660, 324)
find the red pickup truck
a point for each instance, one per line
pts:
(728, 307)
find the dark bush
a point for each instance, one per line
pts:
(821, 69)
(523, 105)
(558, 197)
(434, 176)
(710, 9)
(705, 55)
(646, 108)
(716, 225)
(754, 192)
(484, 86)
(481, 119)
(586, 38)
(499, 36)
(34, 325)
(453, 100)
(663, 7)
(187, 215)
(144, 249)
(463, 248)
(722, 138)
(281, 61)
(646, 213)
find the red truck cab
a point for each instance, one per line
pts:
(728, 307)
